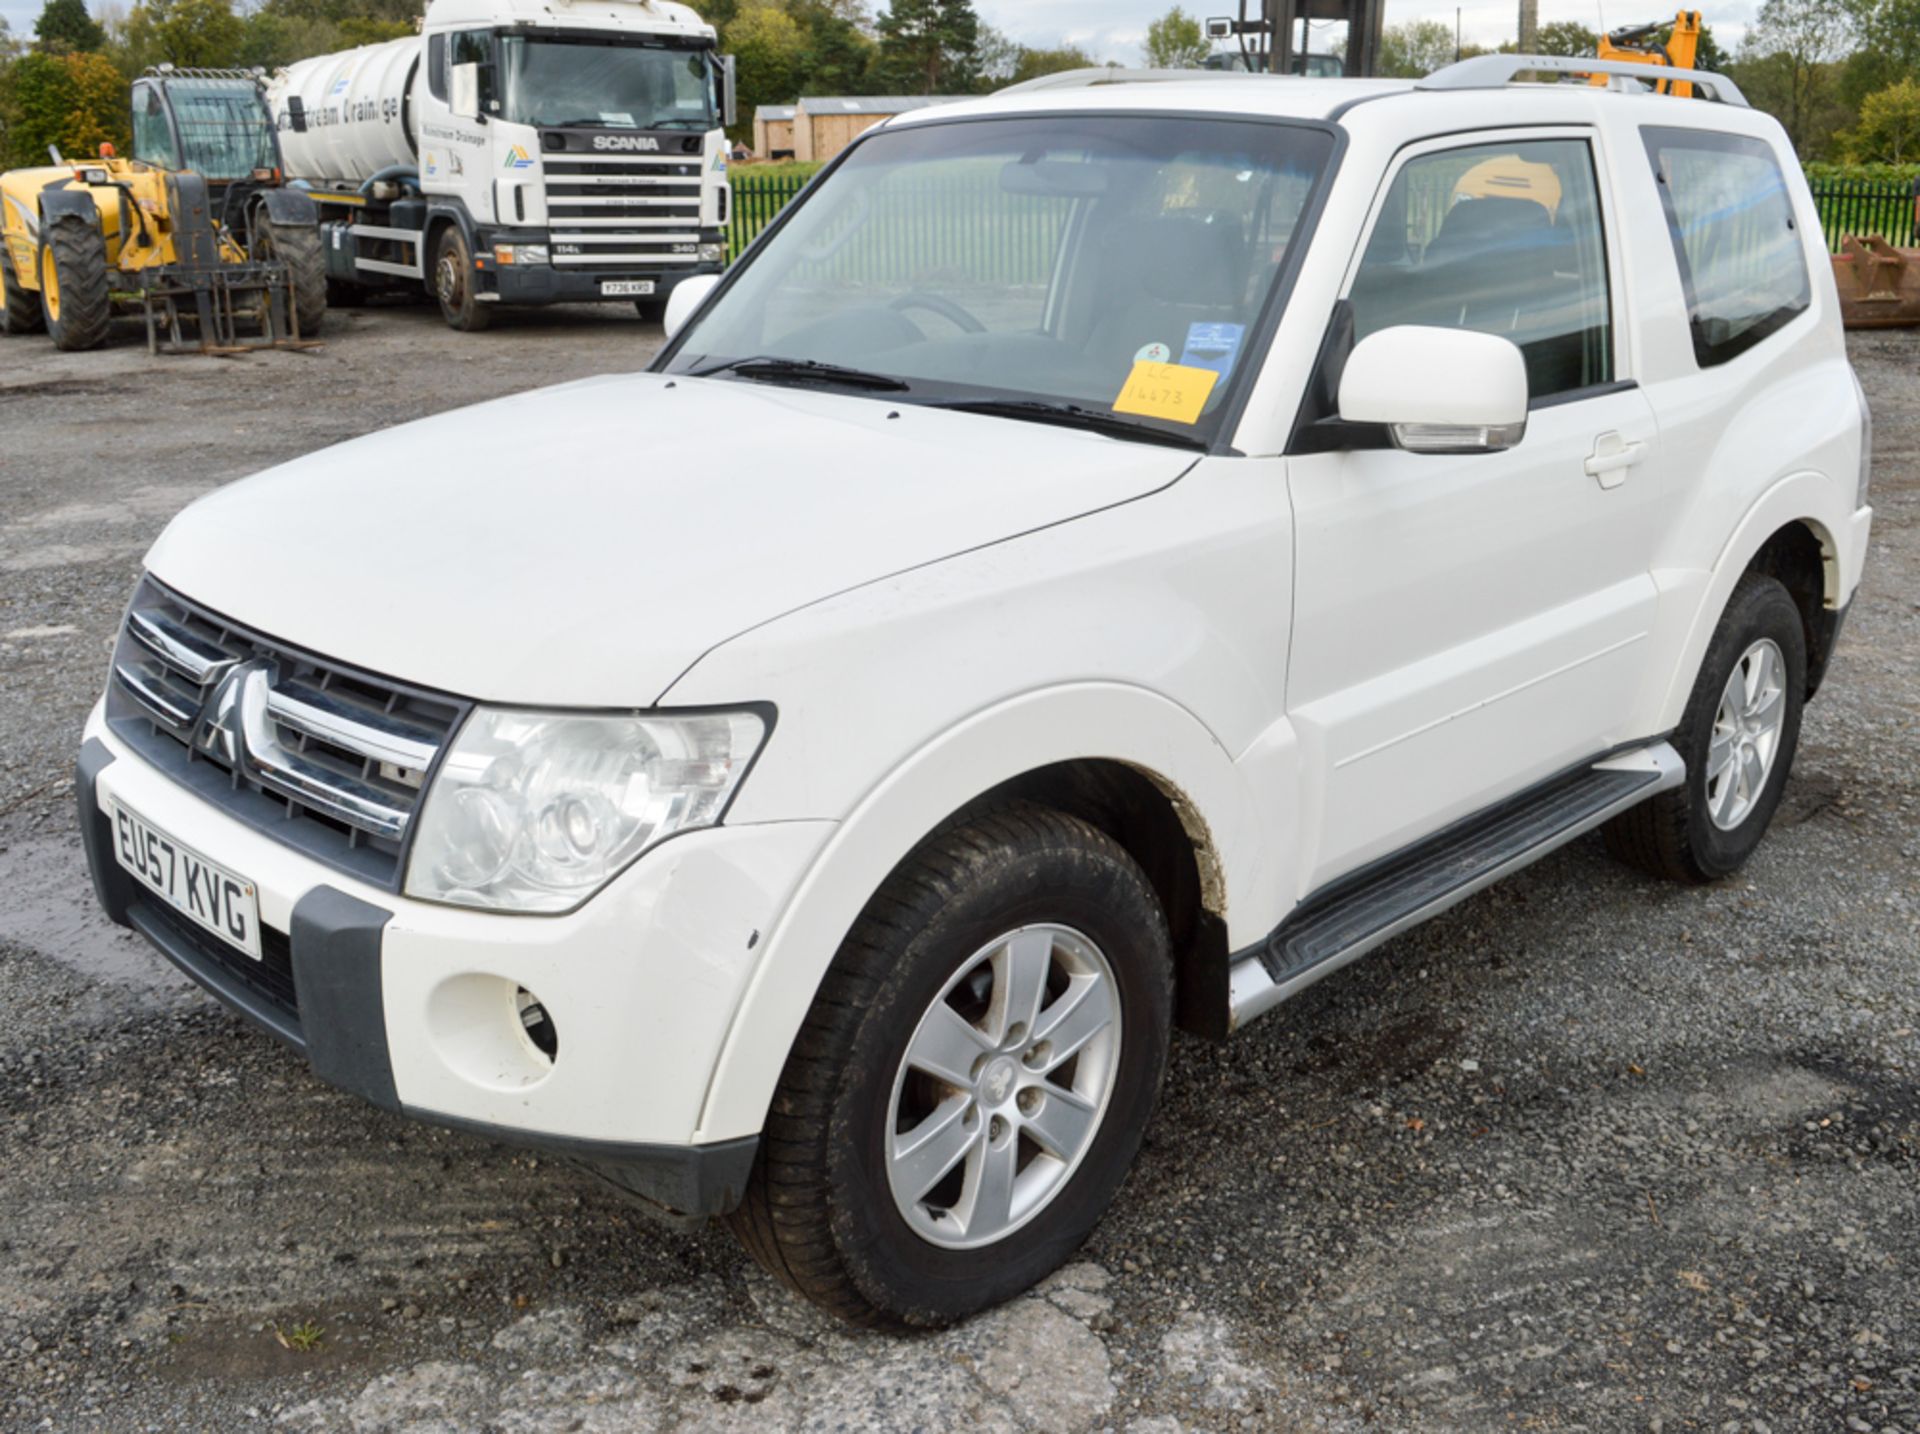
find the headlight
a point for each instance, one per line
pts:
(519, 253)
(536, 811)
(711, 253)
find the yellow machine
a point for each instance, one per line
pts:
(81, 235)
(1634, 43)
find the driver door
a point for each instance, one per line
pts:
(1468, 624)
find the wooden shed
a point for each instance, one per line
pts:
(824, 126)
(773, 131)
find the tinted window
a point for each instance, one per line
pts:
(152, 136)
(437, 67)
(1741, 261)
(1502, 239)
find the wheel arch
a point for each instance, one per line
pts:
(1796, 531)
(1135, 764)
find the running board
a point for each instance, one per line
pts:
(1380, 901)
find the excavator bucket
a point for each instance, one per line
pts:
(1879, 284)
(222, 297)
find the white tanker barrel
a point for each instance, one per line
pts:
(358, 111)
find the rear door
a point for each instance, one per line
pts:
(1466, 625)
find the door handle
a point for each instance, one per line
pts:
(1612, 456)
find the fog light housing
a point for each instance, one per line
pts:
(537, 1022)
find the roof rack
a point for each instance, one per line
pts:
(1493, 72)
(1114, 75)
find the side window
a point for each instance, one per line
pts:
(437, 67)
(1741, 261)
(474, 47)
(1502, 239)
(152, 136)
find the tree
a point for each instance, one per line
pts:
(1889, 128)
(73, 102)
(837, 52)
(1035, 63)
(65, 27)
(928, 46)
(204, 33)
(1567, 37)
(768, 48)
(1414, 48)
(1888, 50)
(1176, 41)
(1789, 65)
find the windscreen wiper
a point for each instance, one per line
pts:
(1072, 415)
(770, 366)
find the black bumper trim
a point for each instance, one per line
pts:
(696, 1180)
(545, 284)
(336, 974)
(112, 886)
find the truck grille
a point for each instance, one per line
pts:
(622, 211)
(320, 756)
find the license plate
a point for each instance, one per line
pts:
(625, 288)
(208, 895)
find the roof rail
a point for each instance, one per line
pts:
(1115, 75)
(1492, 72)
(193, 72)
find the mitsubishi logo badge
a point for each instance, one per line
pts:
(222, 717)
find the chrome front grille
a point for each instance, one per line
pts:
(323, 757)
(608, 211)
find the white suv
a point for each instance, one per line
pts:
(1109, 555)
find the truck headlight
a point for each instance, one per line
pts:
(536, 811)
(711, 253)
(519, 254)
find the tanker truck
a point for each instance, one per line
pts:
(517, 152)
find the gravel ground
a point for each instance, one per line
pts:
(1586, 1153)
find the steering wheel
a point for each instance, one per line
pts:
(944, 307)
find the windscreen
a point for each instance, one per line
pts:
(224, 129)
(606, 83)
(1058, 259)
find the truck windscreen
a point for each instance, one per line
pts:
(593, 82)
(224, 129)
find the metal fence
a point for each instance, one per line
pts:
(1865, 207)
(1847, 206)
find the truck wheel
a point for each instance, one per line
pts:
(453, 283)
(342, 295)
(23, 314)
(1738, 736)
(73, 282)
(973, 1079)
(298, 247)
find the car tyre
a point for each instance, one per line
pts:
(453, 283)
(1737, 736)
(955, 938)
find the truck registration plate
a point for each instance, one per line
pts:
(209, 896)
(625, 288)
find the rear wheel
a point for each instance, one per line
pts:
(453, 283)
(74, 298)
(298, 247)
(22, 314)
(1738, 736)
(973, 1079)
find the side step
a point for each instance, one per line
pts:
(1378, 902)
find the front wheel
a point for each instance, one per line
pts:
(974, 1078)
(75, 302)
(298, 247)
(1738, 736)
(453, 283)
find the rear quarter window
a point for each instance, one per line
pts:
(1742, 264)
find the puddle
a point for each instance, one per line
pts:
(49, 908)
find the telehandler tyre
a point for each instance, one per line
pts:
(22, 305)
(298, 247)
(73, 282)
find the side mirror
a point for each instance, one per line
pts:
(688, 295)
(296, 114)
(463, 91)
(729, 93)
(1438, 390)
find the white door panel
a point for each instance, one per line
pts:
(1465, 625)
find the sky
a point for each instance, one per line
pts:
(1114, 29)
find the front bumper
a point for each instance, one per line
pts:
(563, 284)
(411, 1005)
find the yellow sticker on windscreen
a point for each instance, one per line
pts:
(1166, 390)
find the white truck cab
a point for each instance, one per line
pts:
(1110, 554)
(519, 152)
